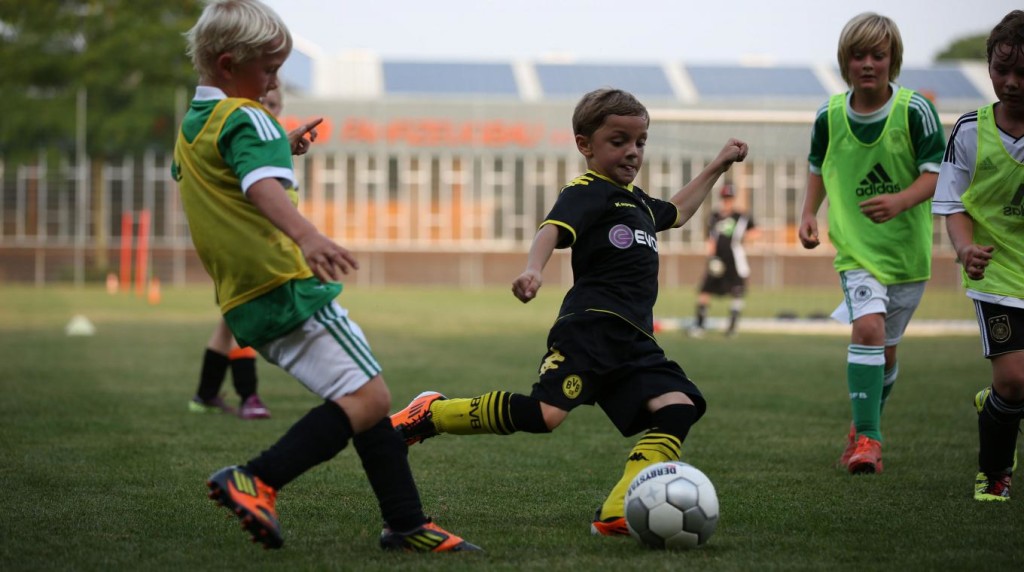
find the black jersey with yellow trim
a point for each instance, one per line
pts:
(612, 232)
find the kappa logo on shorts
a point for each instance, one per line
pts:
(551, 361)
(861, 293)
(572, 386)
(999, 328)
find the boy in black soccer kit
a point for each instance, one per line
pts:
(980, 192)
(601, 348)
(727, 269)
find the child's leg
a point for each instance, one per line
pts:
(317, 437)
(670, 425)
(865, 362)
(888, 379)
(999, 414)
(243, 371)
(497, 412)
(215, 362)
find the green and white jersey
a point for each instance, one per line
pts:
(925, 130)
(865, 159)
(983, 175)
(264, 287)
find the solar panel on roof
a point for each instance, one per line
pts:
(947, 83)
(644, 81)
(424, 78)
(736, 81)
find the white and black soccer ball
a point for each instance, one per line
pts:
(671, 505)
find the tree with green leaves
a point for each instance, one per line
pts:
(126, 57)
(967, 48)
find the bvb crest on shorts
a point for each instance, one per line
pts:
(572, 386)
(999, 328)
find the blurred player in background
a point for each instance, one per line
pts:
(981, 194)
(875, 154)
(727, 269)
(222, 350)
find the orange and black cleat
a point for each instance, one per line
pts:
(415, 423)
(251, 500)
(427, 538)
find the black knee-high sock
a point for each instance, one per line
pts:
(998, 424)
(317, 437)
(674, 420)
(701, 314)
(211, 376)
(385, 460)
(243, 375)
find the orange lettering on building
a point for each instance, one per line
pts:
(430, 132)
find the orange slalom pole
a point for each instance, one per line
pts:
(126, 248)
(142, 253)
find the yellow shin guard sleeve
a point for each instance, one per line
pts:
(487, 413)
(650, 449)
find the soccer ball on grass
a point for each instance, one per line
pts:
(671, 505)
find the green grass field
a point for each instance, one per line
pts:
(103, 468)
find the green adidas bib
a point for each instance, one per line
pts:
(995, 200)
(899, 250)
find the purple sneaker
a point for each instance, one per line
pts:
(253, 408)
(215, 405)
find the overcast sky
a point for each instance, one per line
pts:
(733, 31)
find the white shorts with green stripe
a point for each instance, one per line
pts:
(328, 353)
(863, 294)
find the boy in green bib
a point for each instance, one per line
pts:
(875, 153)
(981, 193)
(276, 279)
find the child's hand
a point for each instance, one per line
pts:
(974, 259)
(328, 261)
(297, 137)
(735, 151)
(808, 232)
(882, 208)
(526, 285)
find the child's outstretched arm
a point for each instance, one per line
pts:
(691, 196)
(526, 285)
(328, 261)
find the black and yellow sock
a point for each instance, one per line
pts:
(211, 376)
(652, 448)
(497, 412)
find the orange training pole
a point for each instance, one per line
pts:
(142, 253)
(126, 248)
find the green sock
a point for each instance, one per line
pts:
(864, 375)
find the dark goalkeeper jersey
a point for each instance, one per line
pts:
(611, 231)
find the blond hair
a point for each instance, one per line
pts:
(864, 33)
(246, 29)
(595, 106)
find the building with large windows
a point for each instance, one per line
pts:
(438, 172)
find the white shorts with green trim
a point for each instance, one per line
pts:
(328, 353)
(863, 294)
